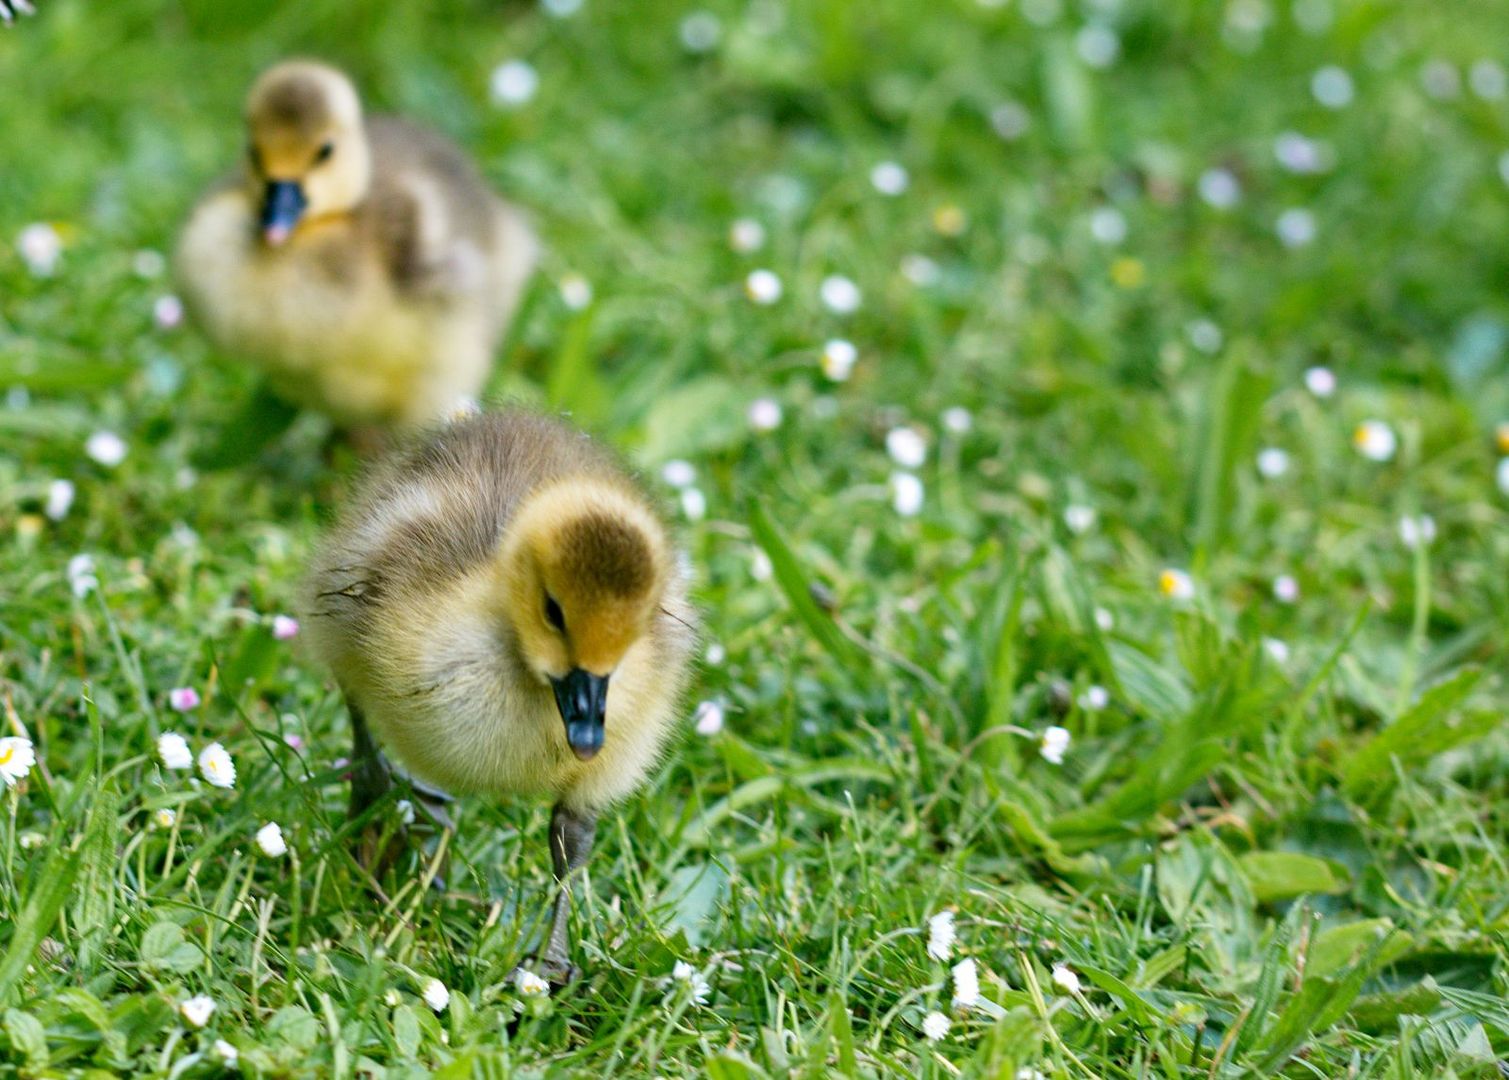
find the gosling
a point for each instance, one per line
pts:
(505, 612)
(363, 263)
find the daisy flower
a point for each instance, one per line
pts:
(435, 995)
(1065, 979)
(1502, 475)
(60, 495)
(958, 419)
(906, 447)
(1011, 120)
(197, 1010)
(1320, 381)
(920, 270)
(40, 247)
(1277, 650)
(227, 1053)
(693, 504)
(284, 627)
(1108, 225)
(746, 236)
(1204, 335)
(940, 935)
(1079, 518)
(1219, 188)
(1176, 585)
(839, 357)
(708, 719)
(216, 766)
(183, 698)
(1375, 440)
(1054, 744)
(1296, 227)
(763, 287)
(966, 985)
(167, 312)
(1285, 589)
(513, 83)
(1097, 45)
(1417, 531)
(17, 756)
(1094, 699)
(906, 494)
(765, 414)
(173, 751)
(1332, 87)
(889, 178)
(840, 295)
(679, 473)
(528, 984)
(106, 448)
(760, 566)
(1272, 463)
(935, 1026)
(700, 32)
(270, 840)
(694, 979)
(576, 291)
(164, 818)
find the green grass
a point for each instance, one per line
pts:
(1257, 867)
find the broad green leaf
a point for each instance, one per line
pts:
(794, 584)
(1424, 730)
(27, 1037)
(1283, 875)
(1335, 947)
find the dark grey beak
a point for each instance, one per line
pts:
(583, 700)
(282, 207)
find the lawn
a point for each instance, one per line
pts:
(1097, 507)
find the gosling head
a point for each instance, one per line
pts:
(307, 152)
(583, 571)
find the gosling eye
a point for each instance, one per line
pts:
(554, 615)
(324, 152)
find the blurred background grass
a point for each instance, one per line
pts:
(1118, 341)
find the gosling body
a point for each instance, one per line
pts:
(363, 263)
(410, 606)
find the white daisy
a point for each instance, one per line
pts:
(17, 756)
(907, 447)
(839, 357)
(1079, 518)
(906, 494)
(1502, 475)
(435, 995)
(183, 698)
(227, 1053)
(40, 247)
(576, 291)
(935, 1026)
(513, 83)
(173, 751)
(684, 973)
(60, 494)
(167, 312)
(693, 504)
(1097, 45)
(940, 935)
(270, 840)
(216, 766)
(406, 812)
(1285, 589)
(889, 178)
(197, 1010)
(1417, 531)
(708, 719)
(966, 985)
(840, 295)
(760, 566)
(1488, 80)
(1219, 188)
(284, 627)
(715, 654)
(1011, 120)
(1375, 440)
(679, 473)
(148, 264)
(1205, 335)
(164, 818)
(528, 984)
(765, 414)
(1332, 87)
(1104, 620)
(1054, 744)
(1094, 699)
(106, 447)
(1440, 80)
(1108, 225)
(700, 32)
(1176, 585)
(920, 270)
(1272, 462)
(958, 419)
(81, 577)
(1276, 649)
(1320, 381)
(1295, 227)
(1065, 979)
(1300, 154)
(746, 235)
(763, 287)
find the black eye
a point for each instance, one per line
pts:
(324, 152)
(554, 615)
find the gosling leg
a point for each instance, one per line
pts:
(572, 833)
(371, 780)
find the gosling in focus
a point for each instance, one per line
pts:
(362, 262)
(506, 614)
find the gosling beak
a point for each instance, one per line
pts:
(583, 700)
(282, 207)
